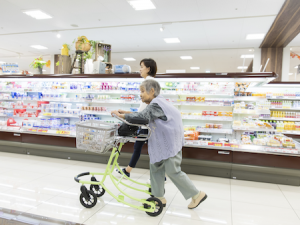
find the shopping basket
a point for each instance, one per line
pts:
(100, 137)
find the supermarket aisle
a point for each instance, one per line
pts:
(45, 186)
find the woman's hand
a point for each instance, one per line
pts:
(122, 111)
(115, 112)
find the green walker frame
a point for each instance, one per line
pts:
(88, 198)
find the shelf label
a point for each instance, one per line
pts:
(63, 132)
(234, 146)
(218, 144)
(47, 114)
(33, 130)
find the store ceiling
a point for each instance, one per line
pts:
(217, 29)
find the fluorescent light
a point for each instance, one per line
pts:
(58, 35)
(2, 62)
(38, 47)
(247, 56)
(255, 36)
(141, 4)
(172, 40)
(186, 57)
(207, 71)
(296, 67)
(242, 67)
(175, 71)
(37, 14)
(251, 50)
(291, 73)
(195, 68)
(129, 59)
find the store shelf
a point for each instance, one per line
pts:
(277, 118)
(206, 119)
(252, 112)
(48, 100)
(96, 113)
(284, 98)
(200, 105)
(215, 131)
(198, 94)
(59, 115)
(251, 129)
(291, 132)
(20, 108)
(117, 102)
(248, 148)
(291, 109)
(250, 98)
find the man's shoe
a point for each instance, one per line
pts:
(195, 202)
(119, 174)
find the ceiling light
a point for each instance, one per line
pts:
(172, 40)
(175, 71)
(296, 67)
(255, 36)
(38, 47)
(37, 14)
(291, 48)
(129, 59)
(291, 73)
(247, 56)
(186, 57)
(207, 71)
(195, 68)
(58, 35)
(242, 67)
(251, 50)
(141, 4)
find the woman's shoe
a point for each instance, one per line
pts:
(195, 202)
(119, 174)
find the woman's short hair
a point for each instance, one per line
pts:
(150, 63)
(149, 84)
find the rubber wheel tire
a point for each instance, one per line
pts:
(153, 195)
(159, 206)
(88, 204)
(97, 189)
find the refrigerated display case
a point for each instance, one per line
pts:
(226, 124)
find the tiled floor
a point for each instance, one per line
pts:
(45, 187)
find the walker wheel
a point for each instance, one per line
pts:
(158, 209)
(88, 203)
(97, 189)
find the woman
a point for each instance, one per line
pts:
(148, 71)
(165, 144)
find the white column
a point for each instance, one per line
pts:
(52, 64)
(285, 64)
(257, 60)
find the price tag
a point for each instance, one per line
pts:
(66, 132)
(234, 146)
(33, 130)
(40, 130)
(45, 131)
(210, 143)
(227, 145)
(218, 144)
(47, 114)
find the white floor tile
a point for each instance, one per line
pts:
(112, 214)
(66, 209)
(213, 210)
(247, 213)
(171, 220)
(22, 200)
(213, 186)
(292, 194)
(258, 193)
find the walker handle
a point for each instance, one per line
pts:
(138, 125)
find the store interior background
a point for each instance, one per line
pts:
(212, 32)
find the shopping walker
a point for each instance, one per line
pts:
(100, 137)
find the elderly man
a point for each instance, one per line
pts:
(165, 144)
